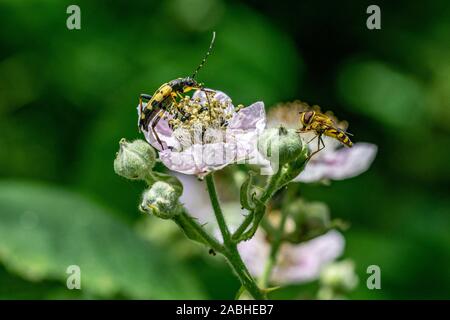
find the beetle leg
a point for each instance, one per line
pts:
(154, 122)
(207, 97)
(179, 95)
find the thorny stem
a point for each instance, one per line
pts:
(186, 219)
(217, 209)
(231, 253)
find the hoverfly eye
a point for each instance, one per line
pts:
(307, 117)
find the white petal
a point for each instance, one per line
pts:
(255, 252)
(339, 164)
(296, 263)
(195, 198)
(220, 96)
(249, 118)
(200, 159)
(307, 260)
(240, 145)
(163, 131)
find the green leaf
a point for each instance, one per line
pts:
(14, 287)
(43, 230)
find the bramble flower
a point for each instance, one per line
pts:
(334, 162)
(296, 263)
(214, 136)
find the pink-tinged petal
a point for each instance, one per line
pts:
(255, 252)
(200, 159)
(249, 118)
(339, 164)
(308, 259)
(296, 263)
(195, 199)
(219, 96)
(164, 133)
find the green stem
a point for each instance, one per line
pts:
(217, 209)
(189, 223)
(231, 253)
(257, 213)
(244, 276)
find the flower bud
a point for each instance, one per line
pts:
(311, 219)
(161, 200)
(280, 145)
(310, 215)
(340, 276)
(134, 159)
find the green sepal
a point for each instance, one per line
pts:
(294, 168)
(248, 192)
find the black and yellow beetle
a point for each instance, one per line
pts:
(165, 97)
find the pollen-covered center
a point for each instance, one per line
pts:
(200, 120)
(190, 113)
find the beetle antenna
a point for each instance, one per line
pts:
(206, 56)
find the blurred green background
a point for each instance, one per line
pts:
(67, 97)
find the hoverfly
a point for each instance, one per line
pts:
(322, 124)
(165, 98)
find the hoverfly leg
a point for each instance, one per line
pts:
(321, 141)
(348, 133)
(312, 139)
(319, 147)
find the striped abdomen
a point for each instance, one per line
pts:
(339, 135)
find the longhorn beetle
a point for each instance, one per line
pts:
(164, 99)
